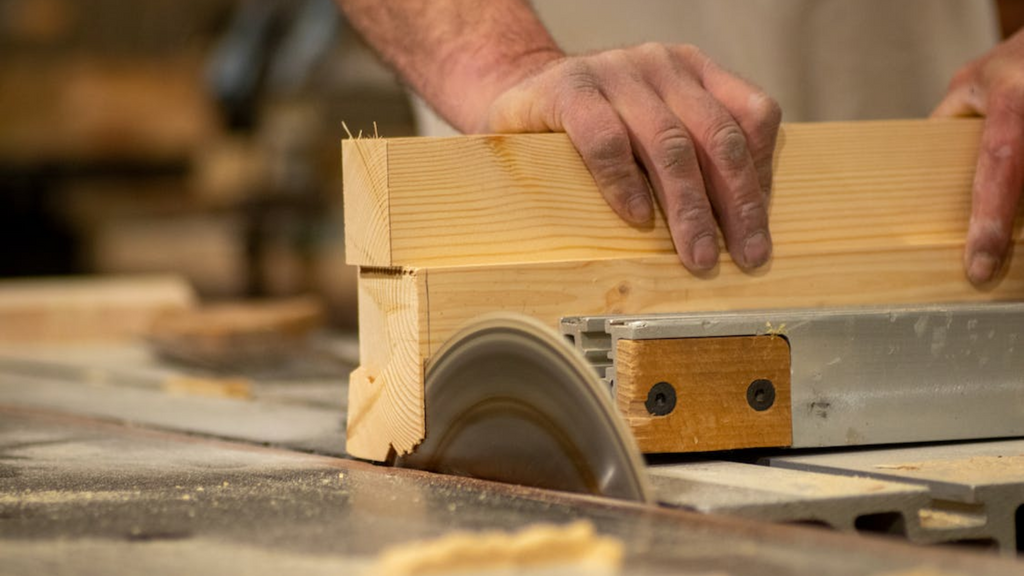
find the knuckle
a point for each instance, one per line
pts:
(611, 145)
(654, 62)
(609, 156)
(695, 216)
(990, 233)
(653, 49)
(690, 52)
(615, 56)
(766, 116)
(728, 145)
(613, 176)
(766, 111)
(616, 66)
(674, 149)
(750, 211)
(692, 58)
(579, 76)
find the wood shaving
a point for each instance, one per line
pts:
(898, 467)
(575, 545)
(943, 520)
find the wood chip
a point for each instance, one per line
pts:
(571, 547)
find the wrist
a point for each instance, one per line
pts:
(476, 79)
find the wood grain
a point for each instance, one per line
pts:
(904, 274)
(863, 213)
(506, 199)
(710, 377)
(385, 412)
(366, 199)
(407, 314)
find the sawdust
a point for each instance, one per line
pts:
(987, 469)
(172, 557)
(572, 546)
(898, 467)
(942, 520)
(45, 497)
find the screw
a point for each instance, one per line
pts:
(661, 400)
(761, 394)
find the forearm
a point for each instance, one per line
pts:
(652, 117)
(459, 55)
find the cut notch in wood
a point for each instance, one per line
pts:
(386, 413)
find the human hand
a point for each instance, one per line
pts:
(992, 86)
(704, 137)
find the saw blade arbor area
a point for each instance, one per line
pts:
(508, 400)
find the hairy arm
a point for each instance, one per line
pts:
(655, 117)
(459, 55)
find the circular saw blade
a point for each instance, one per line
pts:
(508, 399)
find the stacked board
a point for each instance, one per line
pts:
(444, 230)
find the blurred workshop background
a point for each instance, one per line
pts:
(194, 137)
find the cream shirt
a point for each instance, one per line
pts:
(821, 59)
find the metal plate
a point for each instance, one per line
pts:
(507, 399)
(977, 488)
(780, 495)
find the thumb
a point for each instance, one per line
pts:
(960, 101)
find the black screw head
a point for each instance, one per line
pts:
(761, 394)
(661, 400)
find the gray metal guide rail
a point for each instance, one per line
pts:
(863, 375)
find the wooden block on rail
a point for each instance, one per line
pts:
(863, 213)
(705, 394)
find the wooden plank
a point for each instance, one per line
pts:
(863, 213)
(903, 274)
(447, 298)
(702, 386)
(87, 309)
(239, 335)
(505, 199)
(385, 399)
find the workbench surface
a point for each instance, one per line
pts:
(91, 490)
